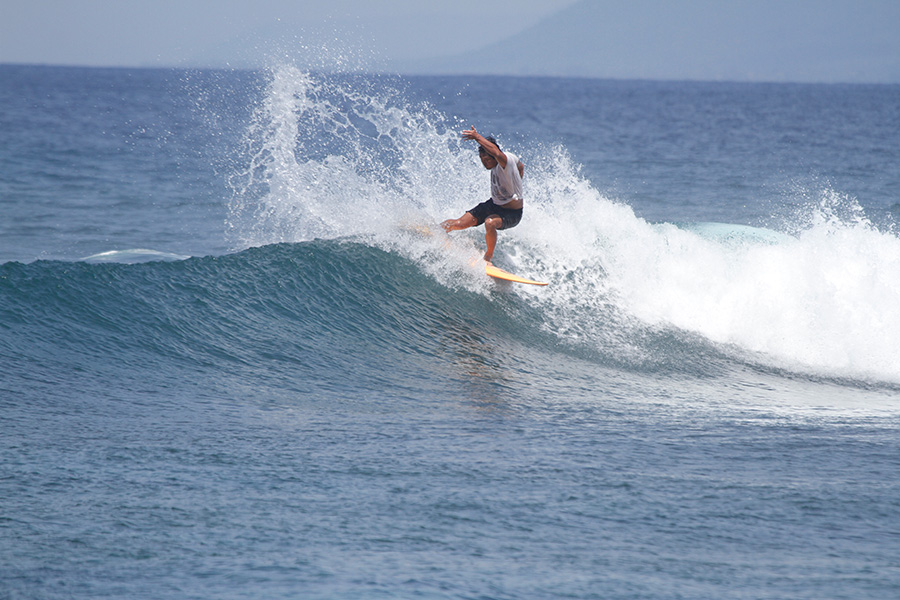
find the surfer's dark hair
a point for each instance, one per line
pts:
(492, 140)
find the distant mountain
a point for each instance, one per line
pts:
(737, 40)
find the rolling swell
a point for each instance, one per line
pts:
(313, 316)
(326, 318)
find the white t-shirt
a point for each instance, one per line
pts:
(506, 184)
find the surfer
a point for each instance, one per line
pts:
(503, 210)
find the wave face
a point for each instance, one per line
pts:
(335, 159)
(325, 315)
(315, 311)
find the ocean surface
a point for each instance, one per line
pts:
(238, 361)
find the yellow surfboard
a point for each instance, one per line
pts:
(497, 273)
(489, 269)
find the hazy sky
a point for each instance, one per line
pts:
(745, 40)
(193, 32)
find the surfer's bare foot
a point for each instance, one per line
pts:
(464, 222)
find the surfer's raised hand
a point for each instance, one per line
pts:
(470, 134)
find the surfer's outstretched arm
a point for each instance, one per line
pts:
(488, 147)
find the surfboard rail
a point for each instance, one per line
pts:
(498, 273)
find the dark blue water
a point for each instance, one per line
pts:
(232, 367)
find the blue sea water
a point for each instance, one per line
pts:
(232, 365)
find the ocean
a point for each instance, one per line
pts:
(237, 360)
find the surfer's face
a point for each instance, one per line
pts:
(487, 160)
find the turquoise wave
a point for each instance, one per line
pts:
(312, 315)
(324, 317)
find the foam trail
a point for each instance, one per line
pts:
(133, 256)
(822, 302)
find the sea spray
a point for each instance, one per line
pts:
(334, 156)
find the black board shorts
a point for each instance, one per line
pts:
(510, 216)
